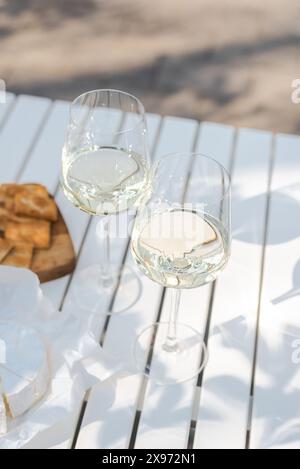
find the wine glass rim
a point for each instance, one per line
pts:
(202, 155)
(111, 90)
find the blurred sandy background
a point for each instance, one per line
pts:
(224, 60)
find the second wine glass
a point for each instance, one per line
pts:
(105, 170)
(181, 240)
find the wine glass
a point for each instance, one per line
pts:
(181, 239)
(105, 170)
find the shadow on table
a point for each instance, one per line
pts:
(294, 290)
(285, 212)
(278, 392)
(169, 408)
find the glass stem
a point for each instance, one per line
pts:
(106, 276)
(171, 342)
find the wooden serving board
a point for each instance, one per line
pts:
(60, 259)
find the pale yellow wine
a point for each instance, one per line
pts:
(180, 248)
(104, 180)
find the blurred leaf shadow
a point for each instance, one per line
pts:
(279, 427)
(294, 290)
(244, 219)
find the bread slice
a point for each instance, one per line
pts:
(35, 232)
(36, 206)
(5, 247)
(6, 202)
(4, 216)
(9, 191)
(20, 256)
(36, 189)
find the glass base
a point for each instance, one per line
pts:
(107, 294)
(167, 365)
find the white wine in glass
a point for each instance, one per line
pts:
(189, 248)
(105, 180)
(181, 240)
(106, 170)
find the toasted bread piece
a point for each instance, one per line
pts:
(36, 189)
(5, 247)
(4, 213)
(6, 201)
(20, 256)
(10, 189)
(36, 206)
(8, 192)
(35, 232)
(4, 216)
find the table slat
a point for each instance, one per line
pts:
(276, 408)
(6, 107)
(45, 160)
(19, 133)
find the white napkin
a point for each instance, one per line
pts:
(77, 361)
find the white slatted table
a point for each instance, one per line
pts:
(249, 394)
